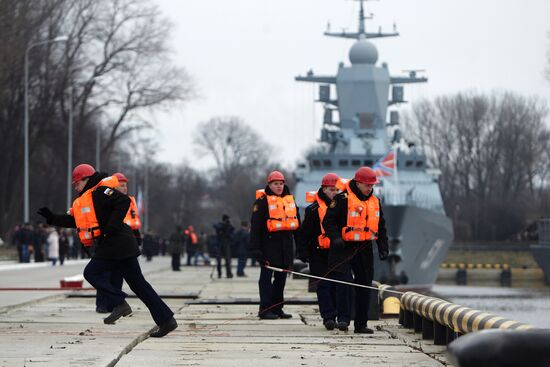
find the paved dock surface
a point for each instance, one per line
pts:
(39, 328)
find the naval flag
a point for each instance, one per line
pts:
(385, 166)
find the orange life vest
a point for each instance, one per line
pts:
(282, 212)
(323, 242)
(132, 217)
(84, 215)
(363, 217)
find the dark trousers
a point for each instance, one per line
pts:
(176, 261)
(131, 272)
(241, 264)
(342, 296)
(225, 251)
(271, 292)
(326, 297)
(363, 272)
(101, 299)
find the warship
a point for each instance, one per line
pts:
(364, 97)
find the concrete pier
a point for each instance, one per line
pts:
(217, 326)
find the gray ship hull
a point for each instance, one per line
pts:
(425, 237)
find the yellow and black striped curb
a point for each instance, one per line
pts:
(434, 314)
(474, 266)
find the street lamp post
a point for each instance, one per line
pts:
(26, 124)
(70, 148)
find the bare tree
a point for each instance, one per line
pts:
(116, 61)
(492, 151)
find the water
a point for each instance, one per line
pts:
(530, 305)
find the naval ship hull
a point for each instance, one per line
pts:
(424, 238)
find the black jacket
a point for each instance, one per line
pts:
(307, 244)
(118, 240)
(336, 219)
(275, 247)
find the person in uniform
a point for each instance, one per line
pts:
(313, 247)
(224, 233)
(133, 221)
(354, 220)
(177, 243)
(98, 213)
(275, 220)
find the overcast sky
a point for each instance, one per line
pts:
(243, 56)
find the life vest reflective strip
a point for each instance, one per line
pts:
(84, 215)
(282, 213)
(132, 217)
(362, 218)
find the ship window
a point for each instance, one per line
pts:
(409, 163)
(419, 164)
(356, 162)
(316, 163)
(368, 163)
(327, 163)
(343, 162)
(366, 120)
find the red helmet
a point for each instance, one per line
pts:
(275, 176)
(330, 179)
(366, 175)
(82, 171)
(120, 176)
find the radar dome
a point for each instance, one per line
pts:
(363, 52)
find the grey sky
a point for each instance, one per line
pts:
(243, 56)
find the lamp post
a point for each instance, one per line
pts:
(70, 148)
(26, 124)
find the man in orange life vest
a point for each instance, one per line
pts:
(98, 213)
(132, 220)
(313, 247)
(354, 220)
(274, 222)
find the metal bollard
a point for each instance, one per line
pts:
(417, 322)
(427, 329)
(440, 334)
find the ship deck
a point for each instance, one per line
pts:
(217, 328)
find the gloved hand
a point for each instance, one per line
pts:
(383, 254)
(338, 243)
(45, 212)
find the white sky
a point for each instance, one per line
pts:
(244, 54)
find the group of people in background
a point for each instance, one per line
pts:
(45, 243)
(223, 244)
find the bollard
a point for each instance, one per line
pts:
(408, 319)
(427, 329)
(417, 322)
(440, 334)
(506, 277)
(461, 276)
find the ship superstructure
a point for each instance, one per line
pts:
(359, 130)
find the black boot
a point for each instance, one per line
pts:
(282, 315)
(267, 315)
(329, 324)
(165, 328)
(363, 330)
(119, 311)
(342, 326)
